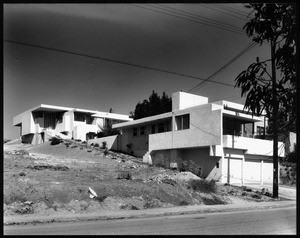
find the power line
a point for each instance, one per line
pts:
(188, 19)
(201, 18)
(234, 10)
(116, 61)
(247, 48)
(213, 7)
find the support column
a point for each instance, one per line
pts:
(243, 164)
(228, 170)
(261, 172)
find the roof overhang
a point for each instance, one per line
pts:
(143, 121)
(113, 116)
(50, 108)
(242, 116)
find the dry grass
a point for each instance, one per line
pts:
(56, 178)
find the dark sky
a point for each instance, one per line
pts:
(167, 37)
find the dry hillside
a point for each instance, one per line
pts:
(45, 179)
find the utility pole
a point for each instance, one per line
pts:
(275, 121)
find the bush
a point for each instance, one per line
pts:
(96, 145)
(191, 166)
(55, 141)
(104, 145)
(124, 175)
(105, 152)
(203, 185)
(92, 144)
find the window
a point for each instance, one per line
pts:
(183, 122)
(161, 127)
(89, 119)
(153, 129)
(135, 131)
(60, 117)
(79, 116)
(142, 130)
(260, 130)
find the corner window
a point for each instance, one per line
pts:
(79, 116)
(260, 130)
(142, 130)
(60, 117)
(153, 129)
(89, 119)
(183, 122)
(135, 131)
(161, 127)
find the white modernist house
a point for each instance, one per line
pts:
(227, 142)
(74, 123)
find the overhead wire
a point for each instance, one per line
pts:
(192, 20)
(214, 8)
(195, 16)
(115, 61)
(245, 50)
(233, 10)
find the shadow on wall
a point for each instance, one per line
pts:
(196, 161)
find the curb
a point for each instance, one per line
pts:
(154, 213)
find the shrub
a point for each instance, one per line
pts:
(92, 144)
(124, 175)
(105, 152)
(55, 141)
(203, 185)
(96, 145)
(183, 203)
(104, 145)
(191, 166)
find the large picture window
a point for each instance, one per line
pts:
(79, 116)
(183, 122)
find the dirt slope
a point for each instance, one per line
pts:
(45, 179)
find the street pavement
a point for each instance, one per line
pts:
(146, 213)
(256, 221)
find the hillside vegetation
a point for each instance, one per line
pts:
(47, 179)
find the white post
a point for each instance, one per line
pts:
(261, 172)
(243, 162)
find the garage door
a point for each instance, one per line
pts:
(268, 172)
(235, 172)
(252, 171)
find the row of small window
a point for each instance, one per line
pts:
(83, 117)
(182, 123)
(155, 128)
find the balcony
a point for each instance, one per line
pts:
(252, 145)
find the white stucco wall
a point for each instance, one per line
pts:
(253, 146)
(182, 100)
(205, 130)
(112, 142)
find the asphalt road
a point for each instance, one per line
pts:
(255, 222)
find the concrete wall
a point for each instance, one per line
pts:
(27, 122)
(113, 142)
(205, 130)
(212, 166)
(253, 146)
(182, 100)
(139, 143)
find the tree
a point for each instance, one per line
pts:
(107, 130)
(154, 106)
(275, 91)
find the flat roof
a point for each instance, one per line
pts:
(143, 120)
